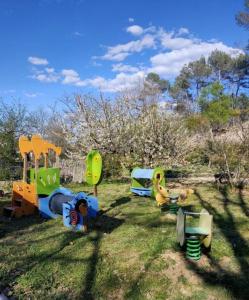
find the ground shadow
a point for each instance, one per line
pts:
(236, 283)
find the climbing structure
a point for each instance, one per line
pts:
(36, 181)
(40, 190)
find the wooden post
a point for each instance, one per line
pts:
(46, 161)
(95, 190)
(57, 161)
(36, 167)
(25, 167)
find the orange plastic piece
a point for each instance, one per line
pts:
(36, 145)
(24, 199)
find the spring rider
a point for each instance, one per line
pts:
(171, 198)
(194, 237)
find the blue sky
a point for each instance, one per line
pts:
(50, 48)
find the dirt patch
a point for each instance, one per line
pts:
(179, 267)
(116, 295)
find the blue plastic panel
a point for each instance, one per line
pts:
(141, 191)
(142, 173)
(43, 203)
(92, 204)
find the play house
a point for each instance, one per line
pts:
(144, 181)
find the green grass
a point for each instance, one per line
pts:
(129, 253)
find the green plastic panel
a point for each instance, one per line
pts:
(196, 230)
(48, 179)
(93, 167)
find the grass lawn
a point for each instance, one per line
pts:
(130, 253)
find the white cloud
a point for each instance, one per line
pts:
(178, 48)
(124, 68)
(49, 70)
(131, 20)
(122, 51)
(183, 31)
(70, 76)
(37, 61)
(46, 75)
(169, 41)
(31, 95)
(169, 64)
(122, 81)
(10, 91)
(135, 29)
(77, 33)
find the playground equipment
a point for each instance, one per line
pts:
(193, 237)
(145, 181)
(76, 209)
(94, 169)
(40, 188)
(171, 198)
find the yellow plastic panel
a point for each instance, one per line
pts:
(180, 227)
(205, 222)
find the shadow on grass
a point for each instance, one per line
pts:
(104, 224)
(243, 205)
(7, 225)
(27, 263)
(235, 283)
(116, 203)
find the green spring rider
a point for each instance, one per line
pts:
(194, 238)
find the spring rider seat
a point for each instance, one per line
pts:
(194, 237)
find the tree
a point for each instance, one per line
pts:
(198, 72)
(242, 17)
(155, 80)
(180, 91)
(215, 105)
(221, 64)
(13, 123)
(239, 73)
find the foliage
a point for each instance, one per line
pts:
(154, 79)
(12, 124)
(135, 132)
(243, 17)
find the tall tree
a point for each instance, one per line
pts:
(12, 125)
(239, 73)
(242, 17)
(221, 64)
(155, 80)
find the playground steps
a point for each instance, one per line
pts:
(11, 211)
(19, 207)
